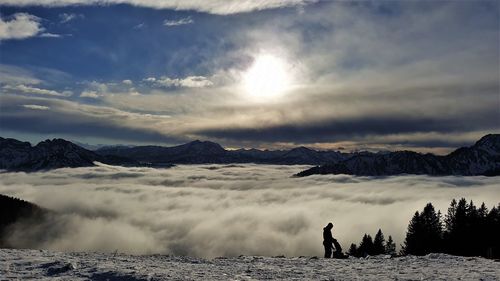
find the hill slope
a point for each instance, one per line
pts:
(13, 210)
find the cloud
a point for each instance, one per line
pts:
(36, 107)
(10, 74)
(220, 7)
(139, 26)
(188, 82)
(50, 35)
(67, 17)
(100, 90)
(340, 128)
(24, 89)
(224, 210)
(75, 119)
(90, 94)
(20, 26)
(183, 21)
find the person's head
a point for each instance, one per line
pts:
(329, 225)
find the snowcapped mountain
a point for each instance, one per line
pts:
(50, 154)
(483, 158)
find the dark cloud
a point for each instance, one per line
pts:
(70, 119)
(345, 129)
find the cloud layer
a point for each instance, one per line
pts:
(224, 210)
(221, 7)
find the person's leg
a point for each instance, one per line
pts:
(328, 251)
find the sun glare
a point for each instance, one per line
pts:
(267, 78)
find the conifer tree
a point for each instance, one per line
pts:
(353, 250)
(493, 232)
(390, 247)
(366, 246)
(379, 243)
(431, 230)
(456, 224)
(413, 240)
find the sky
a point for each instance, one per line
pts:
(351, 75)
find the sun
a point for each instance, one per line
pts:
(267, 78)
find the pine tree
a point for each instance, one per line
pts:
(431, 230)
(456, 238)
(390, 247)
(413, 240)
(482, 211)
(353, 250)
(379, 243)
(468, 231)
(450, 219)
(366, 246)
(493, 232)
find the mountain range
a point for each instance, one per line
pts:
(51, 154)
(203, 152)
(483, 158)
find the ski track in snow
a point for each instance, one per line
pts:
(47, 265)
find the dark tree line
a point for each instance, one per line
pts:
(13, 210)
(371, 247)
(466, 230)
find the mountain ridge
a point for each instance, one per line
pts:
(49, 154)
(483, 158)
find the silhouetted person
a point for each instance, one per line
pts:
(328, 240)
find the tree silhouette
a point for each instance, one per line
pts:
(353, 250)
(456, 228)
(432, 229)
(465, 230)
(390, 247)
(366, 246)
(413, 241)
(492, 248)
(468, 231)
(379, 243)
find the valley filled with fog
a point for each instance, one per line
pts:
(224, 210)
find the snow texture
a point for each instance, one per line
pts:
(45, 265)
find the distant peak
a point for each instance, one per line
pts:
(54, 141)
(198, 142)
(301, 148)
(488, 138)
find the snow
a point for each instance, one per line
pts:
(46, 265)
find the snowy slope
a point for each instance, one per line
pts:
(40, 265)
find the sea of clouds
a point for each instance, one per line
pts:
(224, 210)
